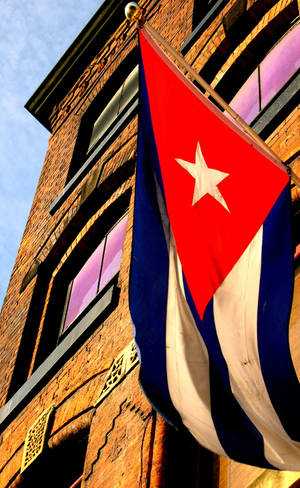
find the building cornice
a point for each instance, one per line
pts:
(74, 60)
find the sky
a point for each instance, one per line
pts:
(34, 34)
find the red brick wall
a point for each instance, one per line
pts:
(128, 445)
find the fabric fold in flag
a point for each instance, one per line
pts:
(211, 277)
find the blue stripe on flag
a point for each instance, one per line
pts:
(274, 306)
(239, 437)
(150, 264)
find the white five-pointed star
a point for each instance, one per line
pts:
(206, 179)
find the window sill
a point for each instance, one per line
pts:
(101, 308)
(94, 157)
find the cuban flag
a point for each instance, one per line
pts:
(211, 278)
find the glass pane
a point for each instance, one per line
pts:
(105, 119)
(84, 287)
(280, 64)
(113, 252)
(130, 88)
(246, 101)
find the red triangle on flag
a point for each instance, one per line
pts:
(210, 238)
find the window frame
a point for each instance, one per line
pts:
(286, 99)
(94, 158)
(102, 304)
(117, 102)
(257, 76)
(210, 15)
(100, 291)
(83, 160)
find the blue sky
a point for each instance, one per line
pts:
(33, 36)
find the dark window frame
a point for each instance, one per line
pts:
(100, 291)
(52, 336)
(200, 11)
(97, 312)
(211, 14)
(287, 88)
(83, 160)
(278, 108)
(282, 103)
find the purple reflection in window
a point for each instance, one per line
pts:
(280, 64)
(246, 101)
(113, 252)
(84, 287)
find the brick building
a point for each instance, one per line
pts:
(72, 412)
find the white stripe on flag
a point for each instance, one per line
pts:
(235, 314)
(187, 362)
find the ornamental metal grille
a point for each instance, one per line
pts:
(121, 366)
(35, 439)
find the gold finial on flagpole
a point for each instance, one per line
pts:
(134, 13)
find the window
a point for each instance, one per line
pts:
(115, 108)
(269, 77)
(83, 288)
(109, 113)
(94, 275)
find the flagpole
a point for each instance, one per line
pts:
(134, 13)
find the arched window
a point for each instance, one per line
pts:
(60, 466)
